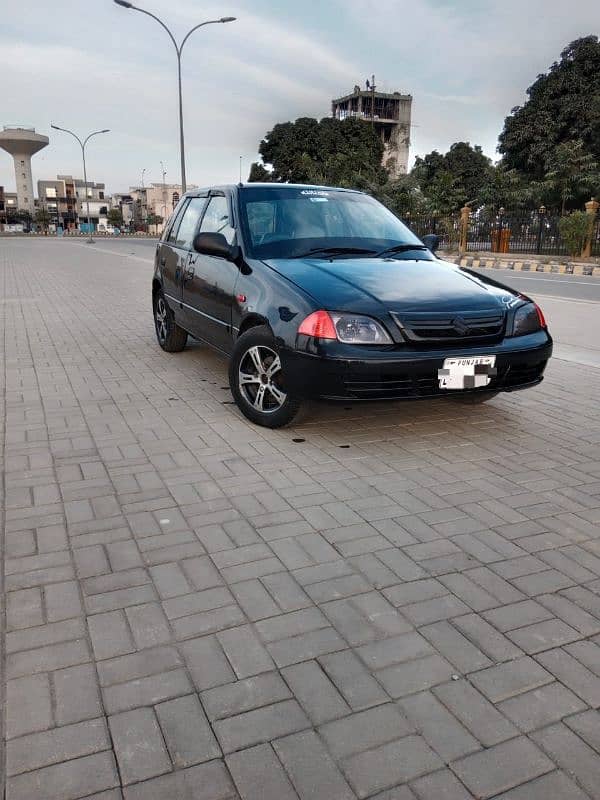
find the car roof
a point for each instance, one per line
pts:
(230, 187)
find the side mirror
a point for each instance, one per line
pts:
(431, 241)
(213, 244)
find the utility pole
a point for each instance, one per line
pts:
(178, 50)
(372, 101)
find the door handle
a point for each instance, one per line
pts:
(189, 273)
(163, 261)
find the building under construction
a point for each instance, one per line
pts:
(389, 113)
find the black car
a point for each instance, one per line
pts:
(321, 292)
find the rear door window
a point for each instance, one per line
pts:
(189, 223)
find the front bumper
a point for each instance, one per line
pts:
(396, 375)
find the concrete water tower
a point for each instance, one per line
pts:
(22, 143)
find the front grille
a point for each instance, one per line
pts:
(464, 327)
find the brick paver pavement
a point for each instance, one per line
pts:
(391, 601)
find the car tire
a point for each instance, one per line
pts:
(170, 336)
(257, 382)
(475, 399)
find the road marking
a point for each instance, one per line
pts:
(545, 280)
(569, 299)
(112, 252)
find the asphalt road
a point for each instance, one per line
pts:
(570, 303)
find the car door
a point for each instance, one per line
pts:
(180, 244)
(209, 281)
(168, 262)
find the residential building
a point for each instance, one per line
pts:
(59, 198)
(388, 113)
(125, 204)
(155, 200)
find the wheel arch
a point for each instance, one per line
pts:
(253, 321)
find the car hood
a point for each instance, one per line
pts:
(366, 284)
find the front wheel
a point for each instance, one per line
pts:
(257, 381)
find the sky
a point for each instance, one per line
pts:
(88, 65)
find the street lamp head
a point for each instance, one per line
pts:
(123, 3)
(223, 19)
(106, 130)
(56, 128)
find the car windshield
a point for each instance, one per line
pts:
(295, 222)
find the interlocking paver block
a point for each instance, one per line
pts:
(235, 698)
(553, 785)
(310, 768)
(354, 682)
(389, 764)
(440, 729)
(260, 725)
(510, 679)
(244, 651)
(28, 705)
(573, 674)
(206, 662)
(502, 767)
(441, 785)
(110, 634)
(76, 693)
(258, 773)
(572, 755)
(476, 713)
(139, 746)
(541, 707)
(187, 733)
(208, 781)
(415, 676)
(315, 692)
(68, 780)
(364, 730)
(58, 744)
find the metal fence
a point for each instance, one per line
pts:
(520, 232)
(596, 238)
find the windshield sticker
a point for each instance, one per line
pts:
(318, 192)
(318, 199)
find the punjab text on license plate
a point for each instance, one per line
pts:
(467, 373)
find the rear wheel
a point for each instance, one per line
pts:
(170, 336)
(257, 381)
(474, 399)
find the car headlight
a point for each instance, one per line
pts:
(527, 319)
(347, 328)
(353, 329)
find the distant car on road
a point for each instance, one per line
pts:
(321, 292)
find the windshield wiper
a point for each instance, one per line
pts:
(335, 251)
(400, 248)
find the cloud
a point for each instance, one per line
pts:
(85, 66)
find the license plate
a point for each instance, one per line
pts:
(467, 373)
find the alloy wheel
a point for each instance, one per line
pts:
(160, 316)
(260, 379)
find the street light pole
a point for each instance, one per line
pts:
(178, 50)
(82, 145)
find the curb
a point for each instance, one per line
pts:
(568, 268)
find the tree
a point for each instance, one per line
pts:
(563, 105)
(259, 174)
(571, 173)
(575, 229)
(42, 218)
(328, 151)
(451, 180)
(115, 217)
(154, 219)
(21, 216)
